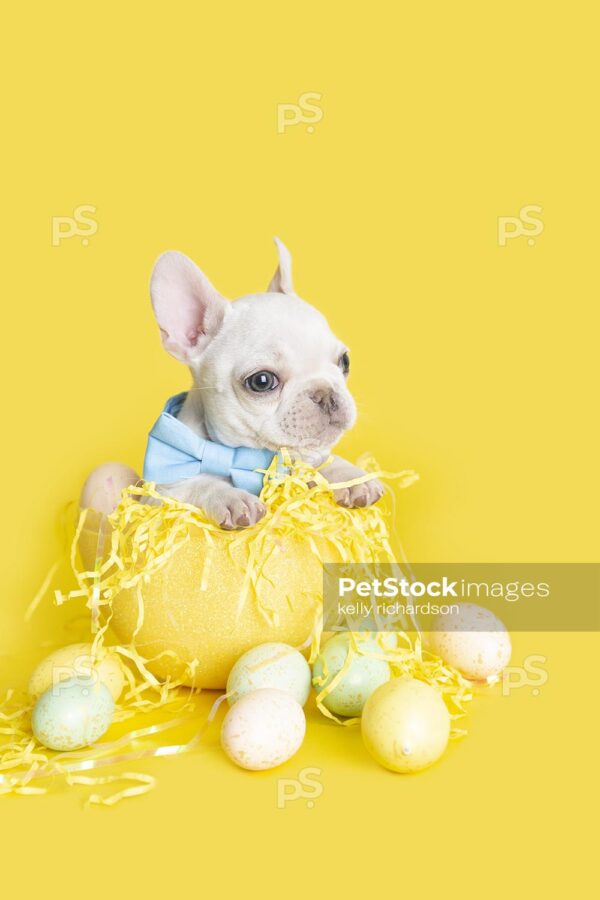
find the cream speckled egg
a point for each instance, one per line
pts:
(263, 729)
(76, 661)
(364, 674)
(72, 714)
(405, 725)
(271, 665)
(474, 641)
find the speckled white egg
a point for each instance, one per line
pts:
(263, 729)
(271, 665)
(76, 661)
(73, 714)
(474, 641)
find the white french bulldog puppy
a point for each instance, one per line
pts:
(267, 373)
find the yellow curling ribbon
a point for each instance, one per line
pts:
(142, 784)
(134, 543)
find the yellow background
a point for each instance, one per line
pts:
(471, 362)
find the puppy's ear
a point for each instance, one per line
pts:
(188, 309)
(281, 282)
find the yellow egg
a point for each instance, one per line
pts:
(405, 725)
(474, 641)
(75, 661)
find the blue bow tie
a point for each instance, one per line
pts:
(175, 452)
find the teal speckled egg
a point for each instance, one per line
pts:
(271, 665)
(362, 678)
(73, 714)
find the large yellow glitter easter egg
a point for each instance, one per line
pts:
(194, 608)
(192, 598)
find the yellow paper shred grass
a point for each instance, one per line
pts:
(146, 530)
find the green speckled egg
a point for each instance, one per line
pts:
(270, 665)
(73, 714)
(362, 678)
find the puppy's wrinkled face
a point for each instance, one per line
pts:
(268, 371)
(275, 376)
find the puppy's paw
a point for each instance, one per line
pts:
(232, 508)
(360, 495)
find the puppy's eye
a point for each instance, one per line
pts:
(261, 382)
(344, 362)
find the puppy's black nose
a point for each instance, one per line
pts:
(325, 398)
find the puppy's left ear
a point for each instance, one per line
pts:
(281, 282)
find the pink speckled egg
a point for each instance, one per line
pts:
(474, 641)
(263, 729)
